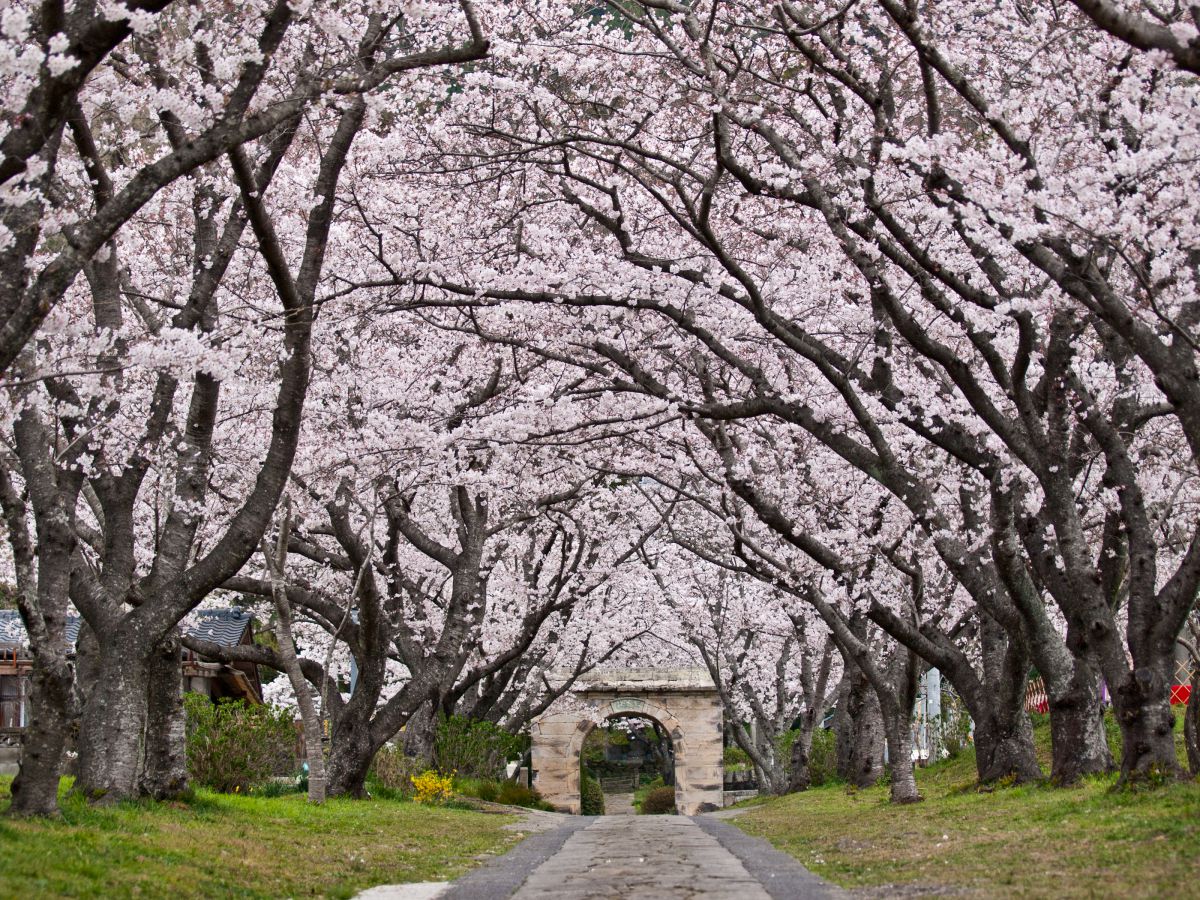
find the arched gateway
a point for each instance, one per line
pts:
(683, 701)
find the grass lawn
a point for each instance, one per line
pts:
(1031, 841)
(230, 846)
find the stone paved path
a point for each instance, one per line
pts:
(645, 856)
(641, 858)
(619, 805)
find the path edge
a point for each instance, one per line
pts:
(499, 878)
(781, 875)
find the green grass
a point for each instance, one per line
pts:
(1028, 841)
(233, 846)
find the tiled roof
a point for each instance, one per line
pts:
(221, 626)
(12, 629)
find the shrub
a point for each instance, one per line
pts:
(591, 799)
(472, 748)
(481, 788)
(433, 787)
(514, 794)
(659, 801)
(509, 793)
(617, 738)
(232, 747)
(736, 758)
(822, 754)
(648, 784)
(393, 770)
(822, 758)
(592, 755)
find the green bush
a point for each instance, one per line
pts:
(393, 771)
(233, 747)
(474, 749)
(481, 788)
(514, 794)
(659, 801)
(591, 799)
(822, 754)
(822, 758)
(276, 789)
(736, 758)
(648, 784)
(510, 793)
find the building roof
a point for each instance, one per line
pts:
(220, 626)
(12, 629)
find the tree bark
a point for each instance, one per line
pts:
(164, 774)
(1004, 746)
(309, 717)
(43, 571)
(800, 777)
(1143, 707)
(112, 724)
(420, 734)
(897, 697)
(351, 752)
(858, 729)
(1079, 743)
(35, 789)
(1191, 723)
(900, 752)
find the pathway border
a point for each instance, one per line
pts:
(781, 876)
(499, 878)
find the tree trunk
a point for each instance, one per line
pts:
(858, 728)
(800, 777)
(1143, 706)
(420, 734)
(310, 719)
(900, 753)
(351, 752)
(1003, 733)
(773, 778)
(112, 724)
(1004, 746)
(1079, 743)
(1191, 722)
(35, 789)
(164, 775)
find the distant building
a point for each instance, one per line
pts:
(227, 627)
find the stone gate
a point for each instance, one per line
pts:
(683, 701)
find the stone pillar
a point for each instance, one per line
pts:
(555, 760)
(699, 772)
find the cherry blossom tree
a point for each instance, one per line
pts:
(151, 466)
(454, 559)
(834, 203)
(213, 77)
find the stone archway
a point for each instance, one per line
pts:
(683, 701)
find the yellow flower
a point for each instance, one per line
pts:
(433, 787)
